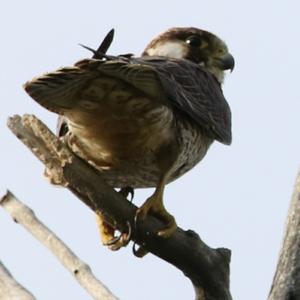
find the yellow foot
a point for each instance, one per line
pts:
(117, 242)
(107, 234)
(107, 231)
(155, 207)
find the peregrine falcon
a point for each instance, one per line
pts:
(143, 121)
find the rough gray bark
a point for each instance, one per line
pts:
(286, 282)
(207, 268)
(10, 288)
(24, 216)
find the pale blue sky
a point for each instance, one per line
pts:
(236, 198)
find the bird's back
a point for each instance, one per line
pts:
(120, 116)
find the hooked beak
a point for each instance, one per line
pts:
(226, 62)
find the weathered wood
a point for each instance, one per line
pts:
(10, 288)
(207, 268)
(24, 216)
(286, 282)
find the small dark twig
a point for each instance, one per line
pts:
(102, 49)
(100, 53)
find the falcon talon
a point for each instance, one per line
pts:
(140, 251)
(131, 195)
(168, 103)
(112, 241)
(100, 53)
(134, 250)
(120, 241)
(125, 191)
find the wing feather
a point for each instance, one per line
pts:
(185, 87)
(195, 93)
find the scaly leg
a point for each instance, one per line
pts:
(166, 157)
(154, 206)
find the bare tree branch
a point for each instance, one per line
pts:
(286, 282)
(10, 288)
(23, 215)
(207, 268)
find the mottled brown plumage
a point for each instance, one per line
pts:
(143, 122)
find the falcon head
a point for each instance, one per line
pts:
(196, 45)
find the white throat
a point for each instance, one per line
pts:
(168, 49)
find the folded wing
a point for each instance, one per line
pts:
(189, 90)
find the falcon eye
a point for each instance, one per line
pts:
(194, 41)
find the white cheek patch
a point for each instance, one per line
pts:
(169, 49)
